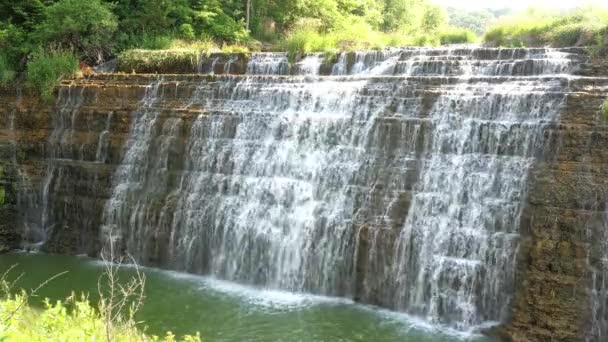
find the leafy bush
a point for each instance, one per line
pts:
(455, 35)
(46, 70)
(7, 73)
(13, 43)
(85, 27)
(353, 34)
(186, 32)
(72, 320)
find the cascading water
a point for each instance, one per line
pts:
(598, 330)
(59, 148)
(271, 63)
(26, 196)
(135, 177)
(309, 65)
(455, 255)
(101, 155)
(402, 185)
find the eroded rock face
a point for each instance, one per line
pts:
(70, 167)
(562, 292)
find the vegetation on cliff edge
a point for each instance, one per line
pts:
(587, 26)
(94, 30)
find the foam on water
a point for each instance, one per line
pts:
(277, 301)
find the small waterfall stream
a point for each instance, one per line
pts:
(398, 180)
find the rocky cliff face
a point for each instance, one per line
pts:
(60, 164)
(561, 294)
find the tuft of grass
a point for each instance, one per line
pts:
(605, 109)
(181, 56)
(153, 61)
(46, 70)
(456, 35)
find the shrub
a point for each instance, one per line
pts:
(72, 320)
(13, 43)
(186, 32)
(306, 40)
(605, 109)
(7, 73)
(456, 35)
(85, 27)
(46, 70)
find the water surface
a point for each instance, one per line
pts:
(223, 311)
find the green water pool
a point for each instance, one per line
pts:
(224, 311)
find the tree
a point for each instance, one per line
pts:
(86, 27)
(434, 17)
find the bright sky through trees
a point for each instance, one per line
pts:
(518, 4)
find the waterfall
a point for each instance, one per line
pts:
(309, 65)
(59, 147)
(268, 64)
(101, 155)
(455, 254)
(399, 180)
(599, 286)
(26, 196)
(137, 179)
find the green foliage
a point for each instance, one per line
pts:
(186, 32)
(605, 109)
(85, 27)
(46, 70)
(581, 27)
(455, 35)
(13, 43)
(7, 73)
(72, 320)
(477, 21)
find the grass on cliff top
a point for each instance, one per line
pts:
(357, 35)
(175, 55)
(587, 26)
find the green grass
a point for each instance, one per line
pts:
(582, 27)
(360, 36)
(605, 109)
(456, 35)
(72, 320)
(180, 56)
(46, 70)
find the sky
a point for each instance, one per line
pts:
(518, 4)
